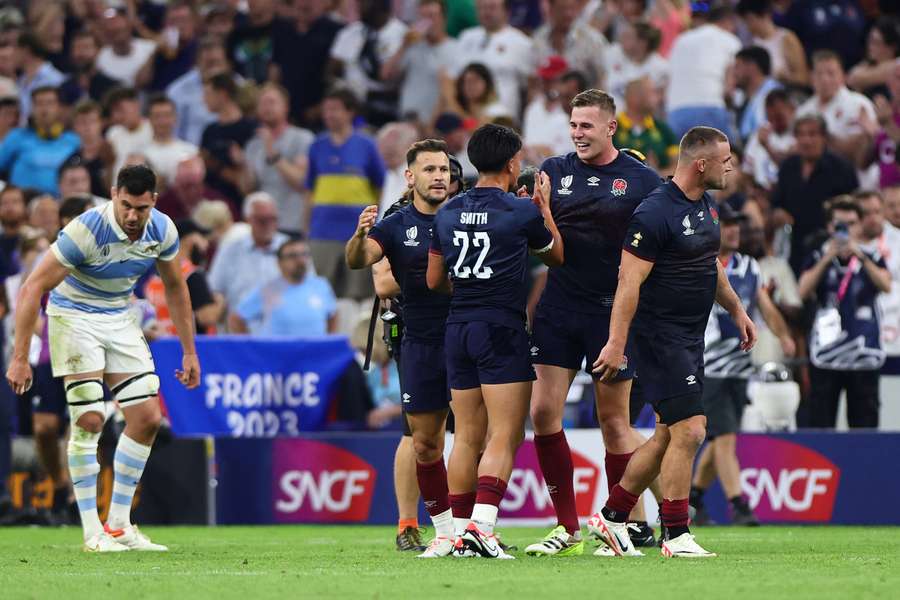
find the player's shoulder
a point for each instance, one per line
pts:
(559, 162)
(657, 205)
(92, 225)
(631, 165)
(160, 225)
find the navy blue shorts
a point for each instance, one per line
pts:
(564, 338)
(48, 394)
(481, 353)
(670, 369)
(423, 377)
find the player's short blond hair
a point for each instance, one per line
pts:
(701, 139)
(595, 97)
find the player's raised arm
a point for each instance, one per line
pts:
(632, 274)
(362, 251)
(729, 300)
(46, 276)
(555, 255)
(178, 300)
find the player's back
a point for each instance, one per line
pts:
(592, 206)
(484, 236)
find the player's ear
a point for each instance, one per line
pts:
(410, 179)
(612, 126)
(701, 164)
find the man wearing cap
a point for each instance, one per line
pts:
(208, 306)
(727, 369)
(545, 127)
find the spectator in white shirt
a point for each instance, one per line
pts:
(564, 34)
(124, 55)
(427, 50)
(700, 74)
(788, 57)
(545, 127)
(772, 142)
(843, 109)
(393, 140)
(130, 132)
(635, 56)
(165, 150)
(507, 52)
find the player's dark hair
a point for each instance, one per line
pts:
(595, 97)
(778, 95)
(700, 138)
(223, 82)
(754, 7)
(844, 202)
(758, 56)
(824, 55)
(819, 120)
(345, 97)
(73, 206)
(425, 146)
(136, 180)
(294, 239)
(491, 147)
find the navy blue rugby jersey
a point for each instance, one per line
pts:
(591, 206)
(681, 238)
(484, 236)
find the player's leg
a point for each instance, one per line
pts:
(431, 474)
(406, 490)
(468, 442)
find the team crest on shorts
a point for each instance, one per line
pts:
(619, 187)
(411, 234)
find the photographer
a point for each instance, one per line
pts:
(844, 281)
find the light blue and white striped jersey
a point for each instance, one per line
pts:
(104, 264)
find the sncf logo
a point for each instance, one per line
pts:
(785, 481)
(316, 482)
(527, 496)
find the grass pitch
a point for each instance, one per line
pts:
(360, 562)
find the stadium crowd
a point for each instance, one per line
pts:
(272, 123)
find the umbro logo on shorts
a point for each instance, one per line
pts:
(691, 379)
(406, 398)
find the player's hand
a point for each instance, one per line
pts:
(748, 330)
(788, 346)
(366, 221)
(541, 196)
(189, 375)
(610, 362)
(19, 376)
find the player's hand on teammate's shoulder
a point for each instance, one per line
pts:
(366, 220)
(610, 362)
(19, 376)
(189, 374)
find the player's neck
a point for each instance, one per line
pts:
(424, 207)
(493, 180)
(688, 186)
(604, 158)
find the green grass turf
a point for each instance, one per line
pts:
(360, 562)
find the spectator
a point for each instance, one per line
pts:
(75, 180)
(165, 151)
(33, 154)
(188, 190)
(473, 97)
(96, 153)
(638, 128)
(37, 72)
(382, 378)
(9, 115)
(222, 141)
(85, 82)
(130, 132)
(9, 65)
(507, 52)
(882, 49)
(842, 109)
(393, 140)
(583, 47)
(250, 43)
(43, 214)
(310, 36)
(297, 303)
(208, 307)
(888, 241)
(449, 127)
(634, 56)
(13, 219)
(124, 55)
(699, 68)
(277, 158)
(545, 127)
(248, 257)
(48, 24)
(345, 174)
(176, 48)
(215, 217)
(845, 348)
(772, 142)
(427, 50)
(788, 60)
(805, 181)
(835, 25)
(219, 19)
(358, 52)
(187, 91)
(886, 133)
(892, 205)
(751, 75)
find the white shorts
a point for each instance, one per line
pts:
(96, 342)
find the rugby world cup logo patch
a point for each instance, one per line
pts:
(619, 187)
(565, 182)
(411, 234)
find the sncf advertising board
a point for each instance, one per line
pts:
(339, 478)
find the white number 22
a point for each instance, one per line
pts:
(480, 239)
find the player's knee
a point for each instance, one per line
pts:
(86, 409)
(545, 417)
(617, 431)
(45, 428)
(692, 432)
(428, 448)
(91, 422)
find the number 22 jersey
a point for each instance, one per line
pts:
(484, 236)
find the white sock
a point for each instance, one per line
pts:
(459, 525)
(83, 469)
(485, 517)
(443, 524)
(128, 466)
